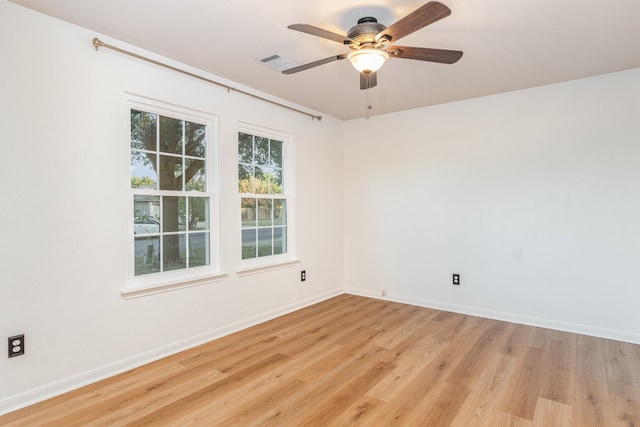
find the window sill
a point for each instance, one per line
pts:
(261, 268)
(142, 291)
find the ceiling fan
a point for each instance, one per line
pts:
(370, 43)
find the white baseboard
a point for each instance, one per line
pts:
(576, 328)
(48, 391)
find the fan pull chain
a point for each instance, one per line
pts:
(369, 107)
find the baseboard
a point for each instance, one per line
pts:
(48, 391)
(508, 317)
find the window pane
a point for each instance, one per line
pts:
(170, 173)
(198, 249)
(146, 212)
(195, 136)
(245, 179)
(198, 213)
(265, 241)
(143, 171)
(265, 208)
(279, 212)
(279, 240)
(173, 214)
(276, 153)
(249, 243)
(261, 151)
(170, 135)
(195, 175)
(173, 252)
(275, 181)
(147, 255)
(248, 211)
(143, 130)
(245, 148)
(261, 180)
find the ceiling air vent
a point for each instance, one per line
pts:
(278, 62)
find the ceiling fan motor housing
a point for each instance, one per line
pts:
(366, 30)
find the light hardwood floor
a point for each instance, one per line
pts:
(358, 361)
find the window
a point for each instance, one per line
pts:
(173, 233)
(265, 195)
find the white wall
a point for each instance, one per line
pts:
(532, 196)
(63, 217)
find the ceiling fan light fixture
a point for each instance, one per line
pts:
(368, 60)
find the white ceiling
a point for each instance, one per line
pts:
(507, 44)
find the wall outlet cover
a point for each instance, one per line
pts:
(16, 345)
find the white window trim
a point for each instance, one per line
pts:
(138, 286)
(141, 291)
(277, 265)
(289, 259)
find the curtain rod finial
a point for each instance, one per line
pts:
(96, 43)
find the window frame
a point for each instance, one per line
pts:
(164, 281)
(259, 264)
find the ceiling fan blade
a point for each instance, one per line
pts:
(442, 56)
(319, 32)
(368, 80)
(425, 15)
(314, 64)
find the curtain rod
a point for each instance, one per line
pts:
(97, 43)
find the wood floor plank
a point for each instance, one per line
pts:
(590, 358)
(556, 383)
(412, 320)
(359, 413)
(551, 414)
(83, 399)
(203, 396)
(401, 409)
(260, 405)
(486, 391)
(516, 339)
(420, 355)
(122, 409)
(471, 364)
(440, 406)
(303, 408)
(622, 374)
(591, 405)
(352, 360)
(626, 411)
(331, 405)
(502, 419)
(524, 385)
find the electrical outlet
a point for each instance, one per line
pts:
(303, 275)
(16, 345)
(456, 279)
(384, 293)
